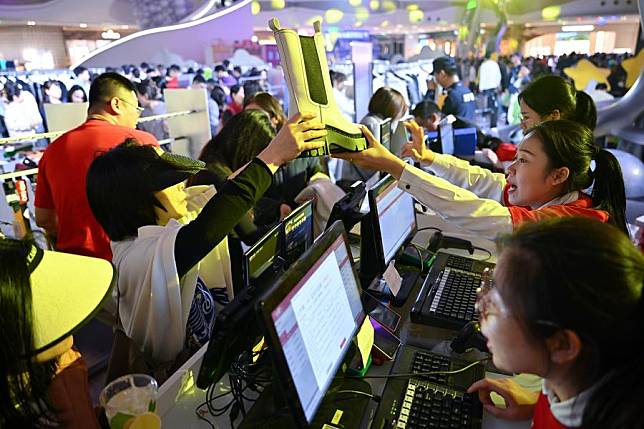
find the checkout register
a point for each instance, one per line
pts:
(289, 332)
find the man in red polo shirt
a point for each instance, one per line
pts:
(61, 202)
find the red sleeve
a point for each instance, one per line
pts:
(44, 199)
(524, 214)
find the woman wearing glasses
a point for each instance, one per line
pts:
(567, 305)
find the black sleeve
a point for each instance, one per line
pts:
(218, 217)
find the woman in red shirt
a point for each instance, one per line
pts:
(567, 305)
(549, 178)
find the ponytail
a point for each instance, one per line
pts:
(585, 112)
(609, 193)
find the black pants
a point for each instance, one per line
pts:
(492, 105)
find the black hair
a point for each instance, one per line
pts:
(144, 66)
(199, 79)
(386, 102)
(570, 144)
(251, 87)
(219, 68)
(585, 276)
(12, 90)
(23, 391)
(147, 89)
(116, 178)
(337, 77)
(238, 69)
(126, 69)
(219, 95)
(73, 89)
(270, 105)
(425, 109)
(46, 86)
(243, 137)
(174, 67)
(549, 93)
(235, 89)
(78, 70)
(108, 85)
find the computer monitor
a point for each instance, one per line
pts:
(347, 208)
(385, 133)
(390, 224)
(298, 232)
(446, 137)
(263, 262)
(309, 318)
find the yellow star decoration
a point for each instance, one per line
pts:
(633, 67)
(585, 71)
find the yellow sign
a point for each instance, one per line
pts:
(585, 71)
(365, 340)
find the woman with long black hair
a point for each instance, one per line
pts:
(44, 297)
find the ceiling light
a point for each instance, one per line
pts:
(567, 28)
(82, 25)
(333, 16)
(32, 23)
(110, 35)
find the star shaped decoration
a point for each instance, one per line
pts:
(585, 71)
(633, 67)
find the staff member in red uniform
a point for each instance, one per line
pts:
(61, 202)
(547, 179)
(567, 305)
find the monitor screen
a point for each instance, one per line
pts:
(259, 260)
(446, 135)
(298, 232)
(396, 217)
(316, 321)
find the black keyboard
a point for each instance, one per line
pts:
(435, 401)
(448, 295)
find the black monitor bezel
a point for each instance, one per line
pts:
(441, 126)
(372, 253)
(272, 297)
(246, 280)
(291, 215)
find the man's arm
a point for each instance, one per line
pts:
(47, 220)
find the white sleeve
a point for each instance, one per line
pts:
(460, 206)
(459, 172)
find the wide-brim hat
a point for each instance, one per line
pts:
(67, 291)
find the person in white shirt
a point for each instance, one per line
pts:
(489, 79)
(339, 93)
(21, 114)
(168, 244)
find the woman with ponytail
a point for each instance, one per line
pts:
(551, 98)
(552, 168)
(567, 305)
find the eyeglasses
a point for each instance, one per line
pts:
(483, 302)
(138, 109)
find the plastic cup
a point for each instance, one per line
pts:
(130, 402)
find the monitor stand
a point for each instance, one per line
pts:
(271, 411)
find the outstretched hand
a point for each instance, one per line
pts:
(303, 131)
(416, 148)
(519, 401)
(375, 157)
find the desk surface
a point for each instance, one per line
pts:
(179, 397)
